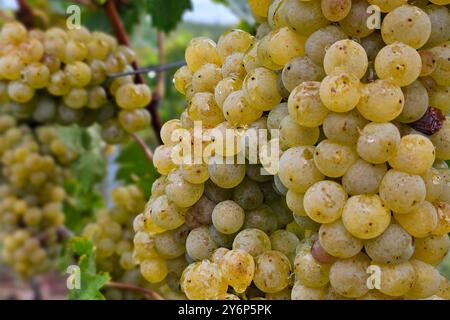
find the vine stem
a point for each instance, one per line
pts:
(130, 287)
(144, 146)
(25, 13)
(122, 37)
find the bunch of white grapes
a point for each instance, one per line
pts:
(360, 205)
(33, 169)
(59, 76)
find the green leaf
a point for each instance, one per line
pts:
(91, 282)
(134, 167)
(166, 14)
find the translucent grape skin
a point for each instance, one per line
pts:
(365, 216)
(425, 213)
(272, 271)
(340, 91)
(238, 268)
(346, 56)
(228, 217)
(349, 278)
(335, 10)
(337, 241)
(334, 159)
(253, 241)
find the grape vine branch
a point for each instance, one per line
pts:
(130, 287)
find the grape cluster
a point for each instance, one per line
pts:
(58, 76)
(358, 187)
(33, 169)
(112, 236)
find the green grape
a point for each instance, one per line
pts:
(318, 42)
(234, 41)
(324, 201)
(36, 75)
(224, 88)
(285, 242)
(340, 92)
(181, 192)
(432, 250)
(276, 15)
(397, 279)
(355, 22)
(335, 10)
(221, 239)
(301, 292)
(59, 84)
(10, 67)
(381, 101)
(167, 131)
(378, 142)
(294, 202)
(428, 62)
(402, 192)
(421, 221)
(110, 130)
(443, 214)
(299, 70)
(387, 5)
(393, 246)
(363, 178)
(228, 217)
(284, 45)
(348, 277)
(272, 271)
(334, 159)
(337, 241)
(200, 244)
(259, 7)
(203, 108)
(434, 183)
(305, 106)
(344, 127)
(365, 216)
(372, 44)
(201, 51)
(284, 294)
(441, 73)
(440, 20)
(203, 281)
(407, 24)
(263, 56)
(200, 213)
(206, 78)
(398, 63)
(253, 241)
(225, 175)
(162, 159)
(346, 56)
(276, 115)
(45, 109)
(165, 214)
(134, 120)
(427, 280)
(238, 111)
(76, 98)
(248, 195)
(416, 103)
(238, 267)
(219, 254)
(132, 96)
(216, 193)
(292, 134)
(20, 91)
(78, 74)
(182, 78)
(260, 89)
(444, 288)
(13, 32)
(194, 173)
(441, 141)
(415, 155)
(169, 245)
(309, 272)
(233, 66)
(262, 218)
(304, 17)
(297, 169)
(250, 60)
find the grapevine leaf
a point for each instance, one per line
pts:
(133, 167)
(166, 14)
(91, 281)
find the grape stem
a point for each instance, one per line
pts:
(130, 287)
(122, 37)
(144, 147)
(25, 13)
